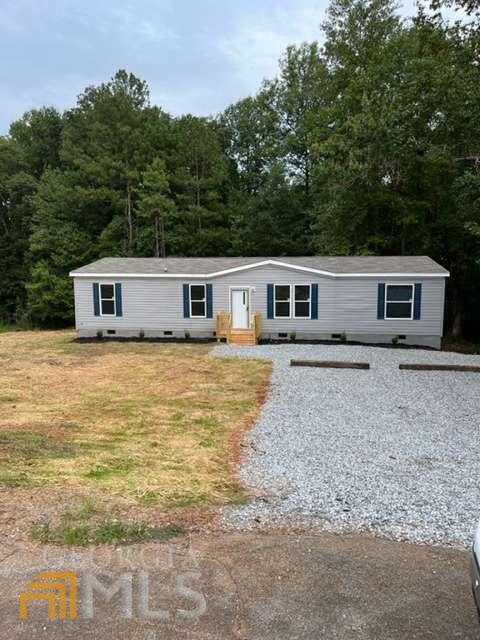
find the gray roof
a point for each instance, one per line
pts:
(206, 266)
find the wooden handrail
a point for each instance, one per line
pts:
(223, 325)
(255, 324)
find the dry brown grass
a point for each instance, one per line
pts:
(141, 425)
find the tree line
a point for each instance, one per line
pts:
(366, 144)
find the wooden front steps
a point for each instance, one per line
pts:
(248, 336)
(242, 336)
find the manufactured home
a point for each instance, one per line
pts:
(365, 298)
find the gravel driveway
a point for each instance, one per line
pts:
(389, 451)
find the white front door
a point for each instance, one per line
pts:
(240, 308)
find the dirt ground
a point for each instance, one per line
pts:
(250, 587)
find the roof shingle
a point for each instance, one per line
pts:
(207, 266)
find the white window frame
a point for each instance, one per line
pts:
(412, 300)
(309, 317)
(101, 299)
(275, 301)
(198, 284)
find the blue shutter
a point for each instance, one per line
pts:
(209, 301)
(417, 300)
(314, 303)
(381, 301)
(118, 300)
(186, 301)
(269, 301)
(96, 299)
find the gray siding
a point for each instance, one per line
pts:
(344, 304)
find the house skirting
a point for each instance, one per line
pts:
(433, 342)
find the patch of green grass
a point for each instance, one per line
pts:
(175, 500)
(148, 498)
(84, 511)
(115, 531)
(178, 422)
(209, 422)
(187, 403)
(208, 442)
(63, 534)
(108, 532)
(109, 468)
(233, 492)
(14, 480)
(31, 445)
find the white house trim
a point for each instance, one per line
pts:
(275, 317)
(201, 284)
(294, 300)
(263, 263)
(101, 299)
(411, 301)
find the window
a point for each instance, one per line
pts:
(198, 301)
(302, 301)
(107, 300)
(399, 301)
(282, 301)
(297, 296)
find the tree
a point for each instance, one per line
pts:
(155, 207)
(50, 297)
(198, 172)
(250, 131)
(109, 138)
(273, 221)
(300, 94)
(469, 6)
(16, 188)
(38, 135)
(406, 100)
(57, 245)
(368, 144)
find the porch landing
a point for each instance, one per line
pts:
(247, 337)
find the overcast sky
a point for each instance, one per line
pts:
(197, 56)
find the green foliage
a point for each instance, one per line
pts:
(49, 296)
(155, 207)
(368, 144)
(107, 532)
(38, 133)
(17, 187)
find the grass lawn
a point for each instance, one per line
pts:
(95, 437)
